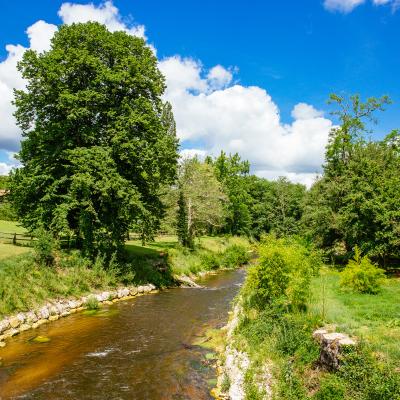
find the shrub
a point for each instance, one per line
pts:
(361, 275)
(92, 303)
(210, 261)
(7, 213)
(283, 274)
(234, 256)
(45, 246)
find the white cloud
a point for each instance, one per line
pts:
(5, 168)
(211, 111)
(245, 120)
(305, 111)
(190, 153)
(346, 6)
(105, 13)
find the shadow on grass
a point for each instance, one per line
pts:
(146, 265)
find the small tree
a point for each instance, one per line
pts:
(182, 222)
(361, 275)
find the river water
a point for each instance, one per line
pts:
(138, 349)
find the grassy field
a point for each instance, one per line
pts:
(11, 227)
(374, 318)
(9, 250)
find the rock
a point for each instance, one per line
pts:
(4, 325)
(2, 344)
(185, 281)
(331, 347)
(152, 287)
(15, 322)
(41, 322)
(123, 292)
(72, 304)
(31, 317)
(10, 333)
(65, 313)
(147, 288)
(134, 291)
(140, 289)
(24, 327)
(43, 313)
(21, 317)
(53, 317)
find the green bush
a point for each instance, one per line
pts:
(234, 256)
(283, 274)
(45, 246)
(210, 261)
(92, 303)
(361, 275)
(7, 213)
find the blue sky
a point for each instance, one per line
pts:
(295, 51)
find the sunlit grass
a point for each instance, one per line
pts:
(11, 227)
(9, 250)
(374, 318)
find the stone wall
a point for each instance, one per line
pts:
(53, 310)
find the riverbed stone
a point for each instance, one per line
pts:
(15, 322)
(4, 325)
(133, 291)
(43, 313)
(10, 332)
(41, 322)
(24, 327)
(54, 317)
(31, 317)
(140, 289)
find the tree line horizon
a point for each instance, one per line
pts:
(100, 157)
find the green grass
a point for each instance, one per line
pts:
(374, 318)
(9, 250)
(11, 227)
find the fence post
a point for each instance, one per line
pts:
(15, 238)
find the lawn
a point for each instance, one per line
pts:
(374, 318)
(11, 227)
(9, 250)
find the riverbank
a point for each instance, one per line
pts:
(27, 287)
(270, 351)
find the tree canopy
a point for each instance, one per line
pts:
(98, 142)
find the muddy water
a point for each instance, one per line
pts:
(138, 349)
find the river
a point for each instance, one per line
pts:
(136, 349)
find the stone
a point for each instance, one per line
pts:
(21, 317)
(4, 325)
(41, 322)
(15, 322)
(24, 327)
(43, 313)
(72, 304)
(53, 317)
(141, 289)
(31, 317)
(133, 291)
(2, 344)
(65, 313)
(10, 333)
(152, 287)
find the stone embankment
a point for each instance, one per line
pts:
(53, 310)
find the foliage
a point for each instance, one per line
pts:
(185, 239)
(98, 141)
(4, 182)
(361, 275)
(355, 201)
(45, 246)
(235, 255)
(201, 195)
(282, 274)
(7, 212)
(92, 303)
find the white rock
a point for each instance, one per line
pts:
(4, 325)
(44, 313)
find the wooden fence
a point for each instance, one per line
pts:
(16, 238)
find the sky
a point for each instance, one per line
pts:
(249, 77)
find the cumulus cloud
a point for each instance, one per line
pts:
(245, 120)
(212, 112)
(346, 6)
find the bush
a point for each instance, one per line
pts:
(210, 261)
(361, 275)
(92, 303)
(234, 256)
(45, 246)
(7, 213)
(283, 274)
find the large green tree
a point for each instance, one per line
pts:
(98, 142)
(354, 202)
